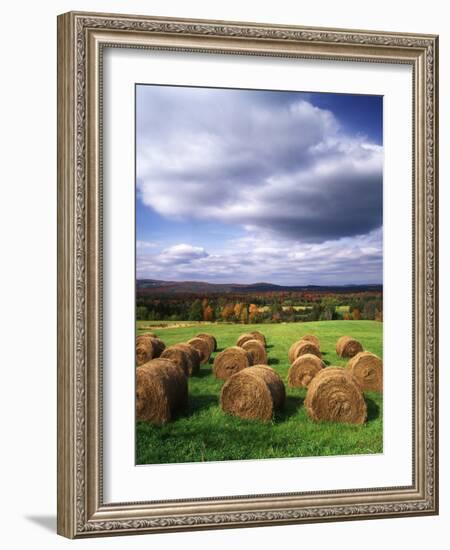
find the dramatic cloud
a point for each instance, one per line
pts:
(258, 258)
(264, 162)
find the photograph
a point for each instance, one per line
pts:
(247, 282)
(259, 274)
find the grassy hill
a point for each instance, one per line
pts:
(204, 432)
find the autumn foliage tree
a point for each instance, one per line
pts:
(227, 312)
(356, 314)
(237, 310)
(208, 313)
(243, 318)
(253, 313)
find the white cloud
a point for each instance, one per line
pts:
(257, 258)
(286, 168)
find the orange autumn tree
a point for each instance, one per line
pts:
(356, 314)
(227, 312)
(253, 313)
(208, 313)
(243, 318)
(237, 310)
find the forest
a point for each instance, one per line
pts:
(158, 304)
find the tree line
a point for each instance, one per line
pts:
(260, 308)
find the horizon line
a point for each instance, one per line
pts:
(255, 283)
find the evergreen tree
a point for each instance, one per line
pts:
(196, 311)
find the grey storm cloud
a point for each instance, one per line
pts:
(284, 167)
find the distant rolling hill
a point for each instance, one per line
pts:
(155, 285)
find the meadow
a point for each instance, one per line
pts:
(204, 433)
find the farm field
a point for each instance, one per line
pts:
(205, 433)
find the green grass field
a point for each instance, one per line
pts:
(205, 433)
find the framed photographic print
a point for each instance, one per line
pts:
(247, 284)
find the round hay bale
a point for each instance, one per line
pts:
(159, 346)
(367, 368)
(304, 369)
(311, 338)
(259, 336)
(161, 390)
(211, 339)
(180, 357)
(292, 353)
(301, 348)
(141, 337)
(203, 347)
(194, 357)
(254, 394)
(145, 350)
(258, 351)
(230, 361)
(347, 346)
(334, 395)
(245, 338)
(308, 347)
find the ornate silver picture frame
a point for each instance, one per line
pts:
(82, 40)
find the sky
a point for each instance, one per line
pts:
(246, 186)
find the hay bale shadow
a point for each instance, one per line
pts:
(268, 346)
(373, 409)
(200, 402)
(292, 404)
(273, 361)
(203, 371)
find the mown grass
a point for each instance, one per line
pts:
(205, 433)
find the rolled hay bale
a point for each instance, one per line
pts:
(210, 338)
(161, 390)
(292, 353)
(304, 369)
(254, 393)
(148, 348)
(259, 336)
(194, 357)
(144, 351)
(159, 346)
(142, 338)
(334, 395)
(303, 347)
(203, 347)
(311, 338)
(347, 346)
(367, 368)
(258, 351)
(245, 338)
(180, 357)
(230, 361)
